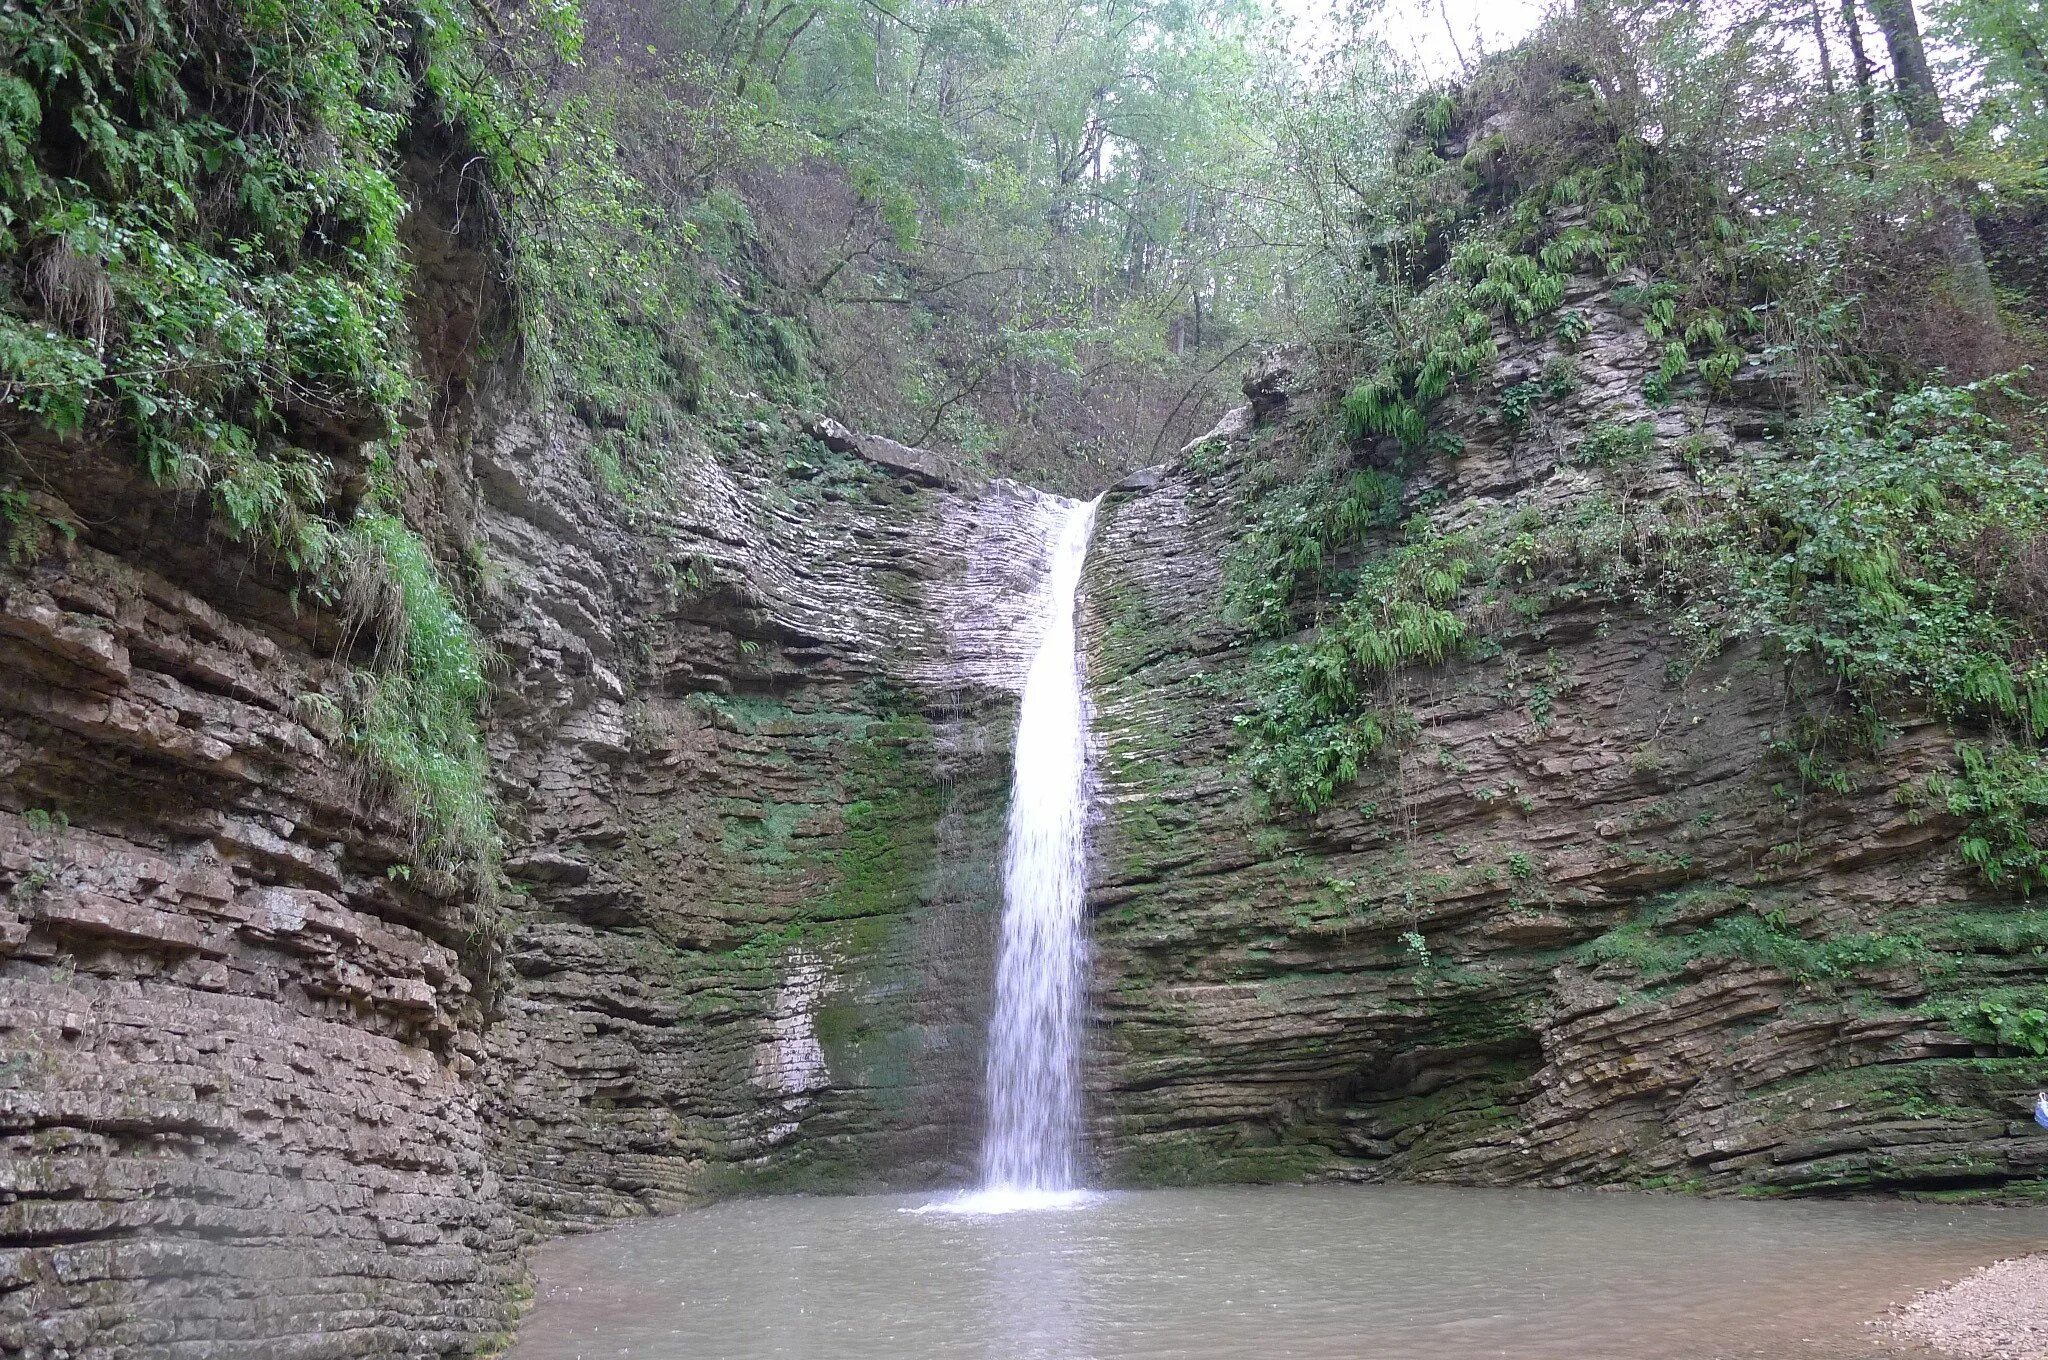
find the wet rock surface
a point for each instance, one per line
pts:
(239, 1111)
(1449, 973)
(268, 1092)
(756, 750)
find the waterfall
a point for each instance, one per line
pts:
(1031, 1149)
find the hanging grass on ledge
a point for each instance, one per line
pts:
(1296, 535)
(194, 280)
(1398, 398)
(2003, 791)
(1899, 547)
(413, 716)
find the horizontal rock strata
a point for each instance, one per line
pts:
(1431, 978)
(269, 1093)
(239, 1114)
(757, 748)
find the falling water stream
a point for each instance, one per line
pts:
(1034, 1044)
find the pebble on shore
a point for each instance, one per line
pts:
(1997, 1313)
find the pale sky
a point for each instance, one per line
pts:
(1417, 29)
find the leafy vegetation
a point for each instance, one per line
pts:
(200, 211)
(1322, 708)
(1299, 534)
(194, 274)
(414, 715)
(1898, 549)
(1885, 549)
(2003, 791)
(1657, 953)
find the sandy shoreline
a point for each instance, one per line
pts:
(1997, 1313)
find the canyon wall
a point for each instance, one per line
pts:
(240, 1113)
(270, 1093)
(757, 755)
(1494, 959)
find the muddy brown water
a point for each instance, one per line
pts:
(1314, 1273)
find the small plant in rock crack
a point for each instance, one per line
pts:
(1610, 442)
(25, 532)
(33, 882)
(43, 821)
(2014, 1025)
(1417, 947)
(1517, 401)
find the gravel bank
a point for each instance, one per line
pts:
(1999, 1313)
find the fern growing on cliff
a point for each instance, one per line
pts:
(201, 208)
(1297, 535)
(1323, 707)
(1898, 545)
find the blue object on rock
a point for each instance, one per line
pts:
(2041, 1109)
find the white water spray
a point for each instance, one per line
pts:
(1031, 1150)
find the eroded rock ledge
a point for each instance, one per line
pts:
(1411, 983)
(268, 1095)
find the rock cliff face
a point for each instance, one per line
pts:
(268, 1095)
(1489, 961)
(758, 753)
(239, 1112)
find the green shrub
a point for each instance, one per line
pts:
(201, 285)
(2009, 1017)
(1294, 538)
(2003, 792)
(1456, 342)
(1609, 442)
(1884, 548)
(2014, 1024)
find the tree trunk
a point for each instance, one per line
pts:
(1827, 57)
(1836, 114)
(1918, 98)
(1920, 102)
(2032, 60)
(1866, 102)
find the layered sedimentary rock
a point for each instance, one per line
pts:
(268, 1093)
(265, 1091)
(1453, 972)
(757, 755)
(239, 1113)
